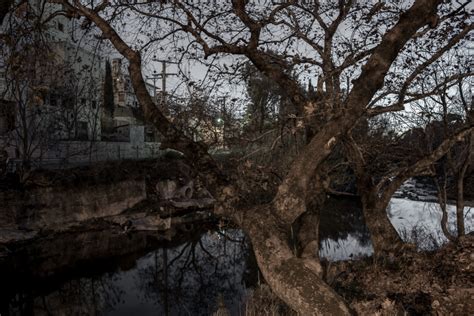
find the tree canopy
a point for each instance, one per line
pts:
(366, 59)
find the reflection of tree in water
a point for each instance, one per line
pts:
(188, 279)
(85, 296)
(341, 217)
(343, 233)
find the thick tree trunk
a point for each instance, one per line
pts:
(306, 227)
(460, 206)
(442, 200)
(292, 193)
(308, 235)
(294, 280)
(375, 198)
(460, 188)
(384, 236)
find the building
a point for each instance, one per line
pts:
(52, 94)
(54, 84)
(127, 117)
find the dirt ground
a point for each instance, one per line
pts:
(413, 283)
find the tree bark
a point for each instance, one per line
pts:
(308, 235)
(460, 188)
(384, 236)
(291, 195)
(375, 197)
(306, 227)
(293, 279)
(460, 206)
(4, 9)
(443, 200)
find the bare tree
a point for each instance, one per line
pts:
(54, 91)
(354, 67)
(25, 55)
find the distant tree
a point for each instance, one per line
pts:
(24, 55)
(54, 91)
(452, 170)
(264, 96)
(108, 98)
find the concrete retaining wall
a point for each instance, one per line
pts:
(51, 207)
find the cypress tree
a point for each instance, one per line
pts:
(108, 90)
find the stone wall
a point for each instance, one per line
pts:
(51, 207)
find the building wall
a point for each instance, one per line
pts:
(72, 77)
(71, 108)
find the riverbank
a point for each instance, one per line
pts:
(134, 195)
(53, 243)
(56, 271)
(413, 283)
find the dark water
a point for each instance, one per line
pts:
(106, 272)
(111, 273)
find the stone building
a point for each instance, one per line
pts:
(52, 75)
(52, 93)
(128, 120)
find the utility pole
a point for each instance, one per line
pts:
(163, 76)
(154, 77)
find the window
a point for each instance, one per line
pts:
(60, 26)
(121, 97)
(94, 104)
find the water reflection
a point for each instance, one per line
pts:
(113, 273)
(417, 222)
(343, 233)
(173, 278)
(188, 279)
(109, 272)
(420, 222)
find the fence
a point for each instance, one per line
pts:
(67, 154)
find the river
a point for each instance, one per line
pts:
(140, 273)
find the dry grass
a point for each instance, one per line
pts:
(262, 302)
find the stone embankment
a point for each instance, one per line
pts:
(147, 195)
